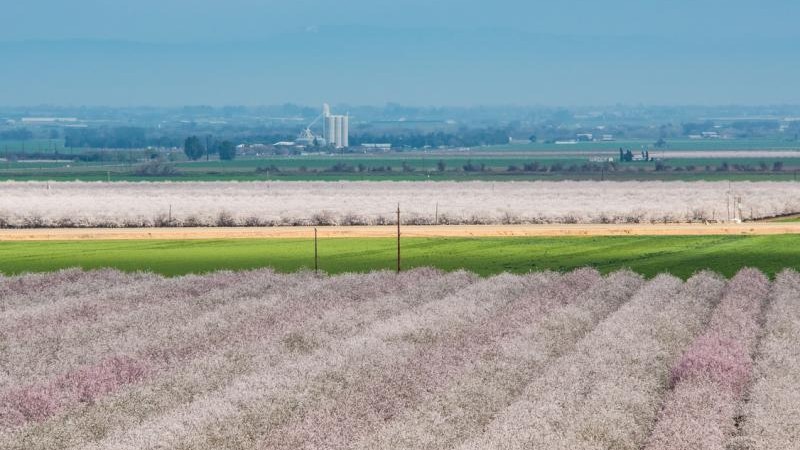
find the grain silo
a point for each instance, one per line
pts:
(337, 128)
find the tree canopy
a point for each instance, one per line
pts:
(227, 150)
(193, 148)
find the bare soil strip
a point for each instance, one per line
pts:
(73, 234)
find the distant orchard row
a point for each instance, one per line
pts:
(84, 204)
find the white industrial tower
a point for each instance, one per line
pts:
(336, 128)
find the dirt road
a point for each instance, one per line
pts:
(71, 234)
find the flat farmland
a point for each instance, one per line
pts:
(649, 255)
(688, 160)
(419, 360)
(116, 205)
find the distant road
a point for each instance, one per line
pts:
(72, 234)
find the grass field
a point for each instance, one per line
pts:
(681, 256)
(792, 219)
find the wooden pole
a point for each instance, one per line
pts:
(728, 205)
(739, 207)
(728, 201)
(316, 254)
(398, 238)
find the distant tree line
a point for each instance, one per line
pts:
(17, 134)
(529, 167)
(195, 149)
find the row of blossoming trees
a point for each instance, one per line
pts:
(187, 204)
(422, 359)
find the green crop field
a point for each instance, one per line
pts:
(319, 169)
(648, 255)
(34, 146)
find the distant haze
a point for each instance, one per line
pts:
(248, 52)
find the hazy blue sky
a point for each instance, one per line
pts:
(455, 52)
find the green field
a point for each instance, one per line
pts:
(34, 146)
(317, 168)
(681, 256)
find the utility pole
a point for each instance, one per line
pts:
(727, 206)
(739, 207)
(398, 238)
(316, 255)
(728, 196)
